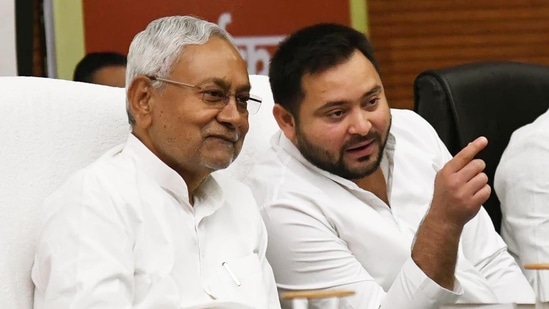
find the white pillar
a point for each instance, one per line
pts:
(8, 50)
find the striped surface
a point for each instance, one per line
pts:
(411, 36)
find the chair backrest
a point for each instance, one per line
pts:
(492, 99)
(51, 128)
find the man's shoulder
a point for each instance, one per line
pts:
(411, 129)
(106, 173)
(277, 176)
(531, 134)
(515, 160)
(406, 118)
(277, 167)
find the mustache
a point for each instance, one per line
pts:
(357, 139)
(232, 137)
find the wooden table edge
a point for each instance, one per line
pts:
(316, 294)
(537, 266)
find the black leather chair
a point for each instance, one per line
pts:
(485, 98)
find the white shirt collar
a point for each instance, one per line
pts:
(208, 195)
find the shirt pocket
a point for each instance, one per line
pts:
(241, 279)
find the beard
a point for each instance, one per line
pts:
(219, 157)
(334, 162)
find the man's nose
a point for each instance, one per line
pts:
(231, 114)
(359, 123)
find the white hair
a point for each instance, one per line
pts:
(154, 50)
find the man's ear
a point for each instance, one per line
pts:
(140, 100)
(285, 121)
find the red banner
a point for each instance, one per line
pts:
(256, 25)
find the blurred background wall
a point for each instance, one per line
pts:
(257, 26)
(8, 58)
(411, 36)
(408, 36)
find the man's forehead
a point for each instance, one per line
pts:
(216, 62)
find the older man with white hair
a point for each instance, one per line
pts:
(147, 225)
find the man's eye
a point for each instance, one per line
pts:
(373, 101)
(336, 114)
(242, 99)
(213, 95)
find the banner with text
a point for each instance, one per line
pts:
(257, 26)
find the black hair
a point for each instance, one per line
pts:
(311, 50)
(86, 68)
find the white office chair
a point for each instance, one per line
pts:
(48, 129)
(51, 128)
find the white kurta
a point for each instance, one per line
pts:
(522, 186)
(326, 232)
(122, 234)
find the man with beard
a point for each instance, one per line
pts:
(359, 196)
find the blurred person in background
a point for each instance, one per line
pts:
(521, 183)
(104, 68)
